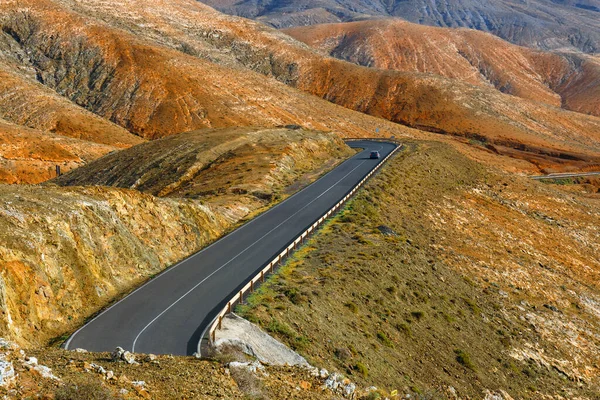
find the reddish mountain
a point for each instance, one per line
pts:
(571, 80)
(178, 65)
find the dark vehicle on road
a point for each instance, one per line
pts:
(374, 155)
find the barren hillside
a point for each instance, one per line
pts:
(179, 65)
(31, 156)
(570, 80)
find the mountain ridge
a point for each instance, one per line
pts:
(544, 24)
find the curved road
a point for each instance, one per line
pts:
(168, 314)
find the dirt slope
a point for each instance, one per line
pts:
(66, 252)
(31, 156)
(444, 278)
(571, 80)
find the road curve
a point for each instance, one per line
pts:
(566, 175)
(168, 314)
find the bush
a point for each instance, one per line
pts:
(353, 307)
(362, 369)
(464, 358)
(385, 339)
(404, 328)
(281, 328)
(417, 315)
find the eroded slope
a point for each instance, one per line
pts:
(31, 156)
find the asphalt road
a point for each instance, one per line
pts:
(168, 314)
(566, 175)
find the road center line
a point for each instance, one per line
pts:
(239, 254)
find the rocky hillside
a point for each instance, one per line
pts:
(445, 279)
(544, 24)
(570, 80)
(68, 375)
(58, 245)
(180, 65)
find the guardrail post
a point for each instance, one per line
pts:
(229, 307)
(220, 322)
(251, 286)
(214, 335)
(241, 297)
(262, 274)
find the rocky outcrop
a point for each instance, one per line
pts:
(241, 335)
(23, 101)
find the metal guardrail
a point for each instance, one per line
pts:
(564, 175)
(249, 287)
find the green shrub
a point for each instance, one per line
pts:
(353, 307)
(417, 315)
(404, 328)
(362, 369)
(464, 358)
(84, 391)
(281, 328)
(383, 338)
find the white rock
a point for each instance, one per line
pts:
(349, 389)
(248, 338)
(334, 381)
(251, 367)
(140, 384)
(7, 345)
(500, 395)
(128, 357)
(98, 368)
(7, 372)
(78, 350)
(45, 372)
(123, 391)
(31, 361)
(117, 353)
(324, 373)
(109, 375)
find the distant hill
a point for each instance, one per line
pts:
(570, 80)
(544, 24)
